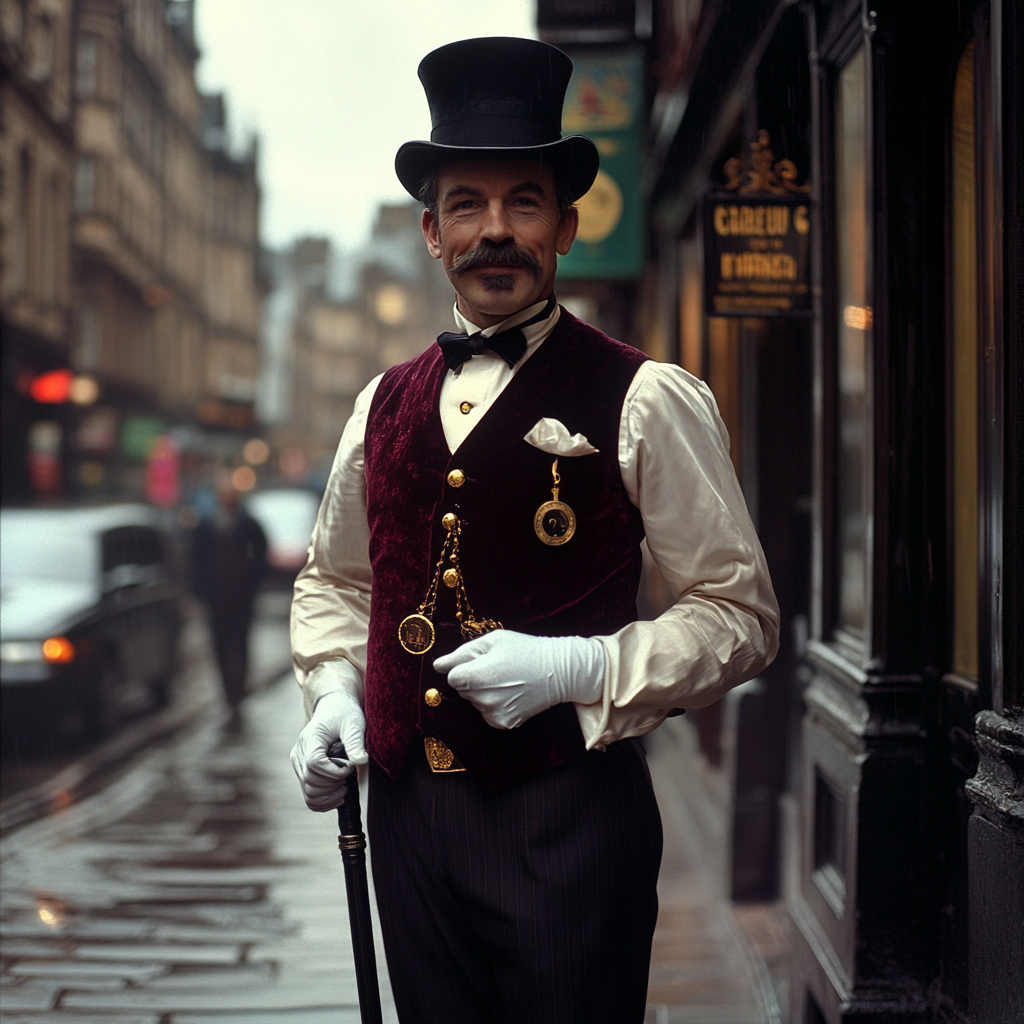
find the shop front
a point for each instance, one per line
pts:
(835, 240)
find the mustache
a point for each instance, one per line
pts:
(495, 254)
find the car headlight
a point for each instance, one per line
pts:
(21, 652)
(56, 650)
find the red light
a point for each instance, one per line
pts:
(52, 388)
(58, 650)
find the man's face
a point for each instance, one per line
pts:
(498, 234)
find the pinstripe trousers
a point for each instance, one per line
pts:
(535, 904)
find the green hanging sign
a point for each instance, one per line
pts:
(603, 102)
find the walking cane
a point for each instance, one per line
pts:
(352, 843)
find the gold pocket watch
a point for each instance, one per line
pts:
(554, 522)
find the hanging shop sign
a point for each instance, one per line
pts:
(757, 234)
(603, 103)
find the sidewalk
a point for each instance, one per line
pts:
(197, 889)
(708, 961)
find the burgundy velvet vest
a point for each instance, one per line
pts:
(586, 587)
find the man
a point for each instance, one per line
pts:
(466, 620)
(229, 560)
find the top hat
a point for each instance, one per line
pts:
(497, 98)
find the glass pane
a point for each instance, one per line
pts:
(855, 324)
(965, 377)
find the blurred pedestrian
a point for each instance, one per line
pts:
(229, 560)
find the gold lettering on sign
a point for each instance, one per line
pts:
(754, 220)
(758, 266)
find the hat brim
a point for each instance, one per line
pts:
(574, 159)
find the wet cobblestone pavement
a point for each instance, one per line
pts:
(196, 888)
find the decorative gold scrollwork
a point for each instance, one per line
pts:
(764, 174)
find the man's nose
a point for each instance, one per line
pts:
(496, 227)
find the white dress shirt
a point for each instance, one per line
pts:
(674, 458)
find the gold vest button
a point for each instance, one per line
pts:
(448, 520)
(456, 478)
(464, 408)
(432, 697)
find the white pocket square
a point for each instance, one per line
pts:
(551, 436)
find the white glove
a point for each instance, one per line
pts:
(336, 716)
(510, 677)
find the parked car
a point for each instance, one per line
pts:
(89, 619)
(287, 516)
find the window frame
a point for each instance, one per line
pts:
(991, 409)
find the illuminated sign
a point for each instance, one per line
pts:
(52, 388)
(139, 436)
(59, 386)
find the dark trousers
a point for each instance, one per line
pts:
(534, 905)
(231, 642)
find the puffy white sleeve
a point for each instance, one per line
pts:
(330, 615)
(723, 627)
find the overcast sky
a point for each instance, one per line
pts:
(331, 88)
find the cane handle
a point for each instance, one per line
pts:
(349, 816)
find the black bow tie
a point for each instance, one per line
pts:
(456, 349)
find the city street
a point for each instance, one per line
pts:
(195, 887)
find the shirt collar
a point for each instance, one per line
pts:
(534, 334)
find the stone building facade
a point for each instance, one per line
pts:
(36, 175)
(867, 787)
(154, 288)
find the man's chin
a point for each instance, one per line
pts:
(497, 301)
(499, 282)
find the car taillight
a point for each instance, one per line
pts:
(58, 650)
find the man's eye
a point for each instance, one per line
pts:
(463, 204)
(525, 201)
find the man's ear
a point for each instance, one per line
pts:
(431, 234)
(566, 233)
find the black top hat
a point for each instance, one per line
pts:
(493, 98)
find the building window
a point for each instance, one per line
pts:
(24, 226)
(853, 276)
(85, 65)
(17, 15)
(964, 390)
(90, 338)
(50, 249)
(85, 184)
(42, 49)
